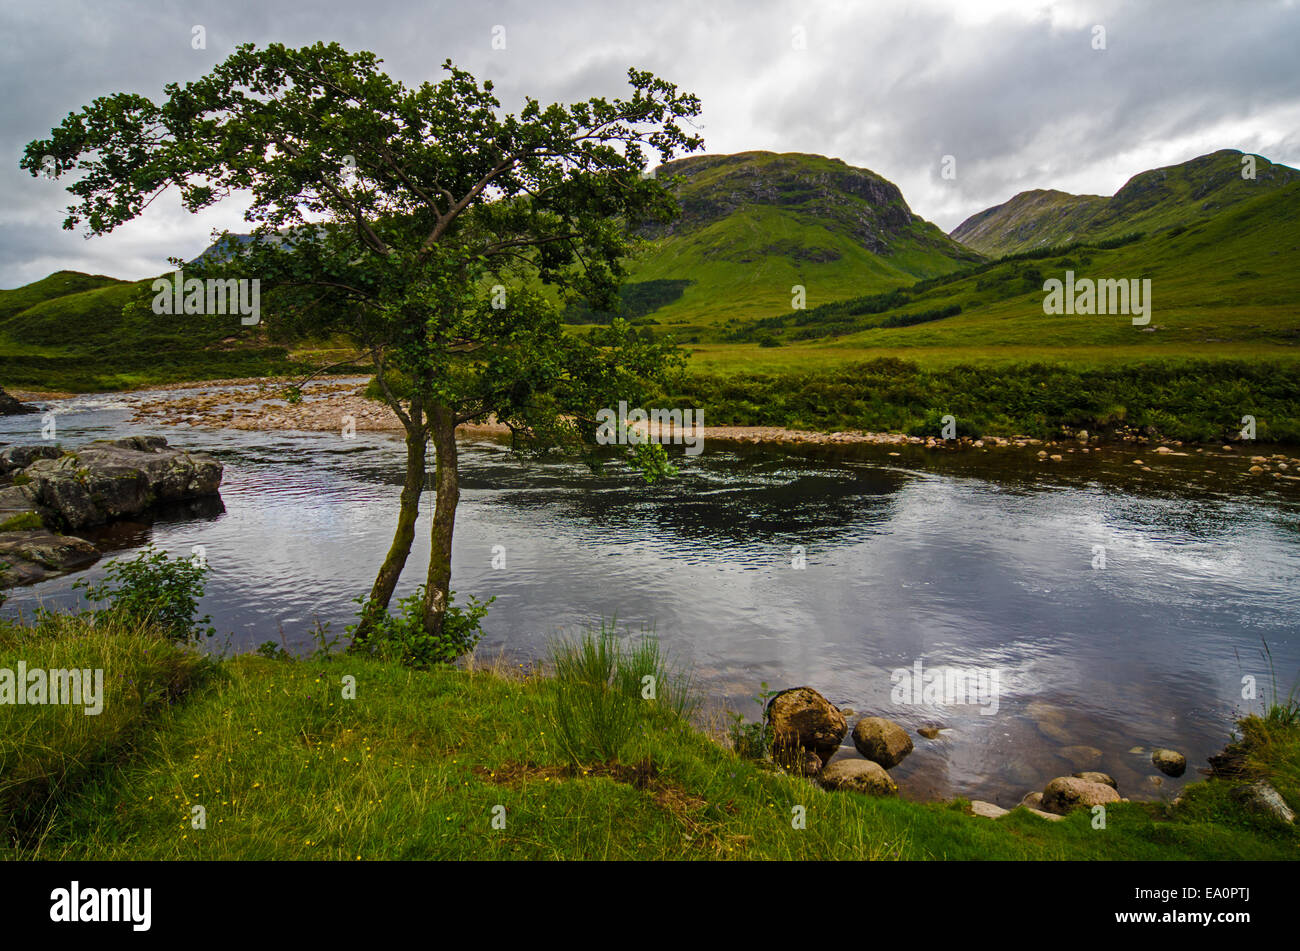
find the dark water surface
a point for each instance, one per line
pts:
(973, 560)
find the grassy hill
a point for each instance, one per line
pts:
(58, 284)
(1226, 284)
(76, 331)
(1150, 201)
(1223, 342)
(755, 224)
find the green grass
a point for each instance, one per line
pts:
(22, 522)
(48, 750)
(58, 284)
(77, 332)
(416, 766)
(1192, 400)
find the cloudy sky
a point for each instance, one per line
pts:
(1014, 90)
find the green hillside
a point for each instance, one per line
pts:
(58, 284)
(1150, 201)
(1227, 283)
(900, 321)
(755, 224)
(76, 331)
(1223, 341)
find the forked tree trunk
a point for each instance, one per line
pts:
(381, 593)
(447, 495)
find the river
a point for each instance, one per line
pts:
(980, 561)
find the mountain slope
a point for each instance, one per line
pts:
(755, 224)
(76, 331)
(57, 284)
(1150, 201)
(1227, 283)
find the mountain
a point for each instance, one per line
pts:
(1224, 266)
(1150, 201)
(755, 224)
(1224, 286)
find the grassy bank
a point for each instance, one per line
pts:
(1192, 400)
(48, 751)
(418, 763)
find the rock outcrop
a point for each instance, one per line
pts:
(9, 406)
(47, 492)
(34, 555)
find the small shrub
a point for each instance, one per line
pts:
(272, 651)
(403, 638)
(152, 588)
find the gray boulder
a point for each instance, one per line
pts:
(33, 555)
(50, 489)
(111, 479)
(1262, 798)
(13, 458)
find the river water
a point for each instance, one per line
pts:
(985, 562)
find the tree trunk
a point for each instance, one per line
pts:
(381, 593)
(447, 482)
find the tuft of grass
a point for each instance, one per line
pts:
(23, 522)
(605, 693)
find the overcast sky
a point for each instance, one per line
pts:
(1012, 89)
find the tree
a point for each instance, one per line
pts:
(422, 223)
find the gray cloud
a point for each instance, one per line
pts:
(1011, 88)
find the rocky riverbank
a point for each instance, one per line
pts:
(331, 405)
(49, 494)
(805, 732)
